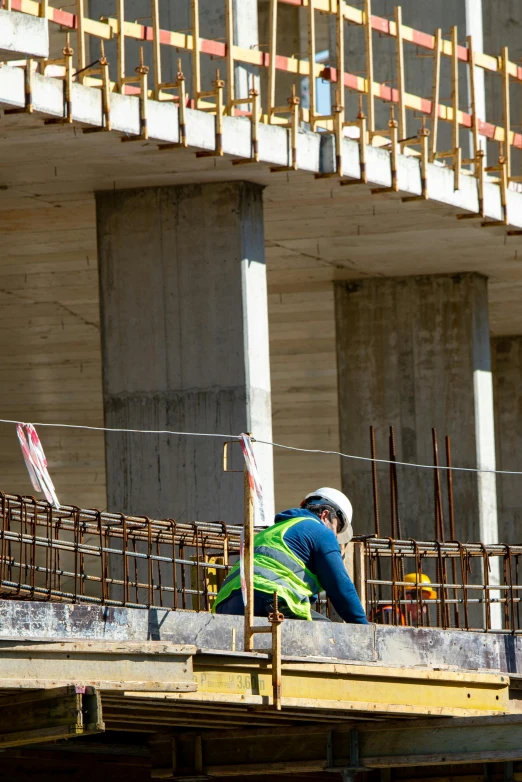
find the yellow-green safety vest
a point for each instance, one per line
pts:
(277, 569)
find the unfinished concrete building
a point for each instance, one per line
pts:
(300, 219)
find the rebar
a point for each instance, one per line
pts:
(76, 555)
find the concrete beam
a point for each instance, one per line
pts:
(426, 647)
(315, 151)
(22, 36)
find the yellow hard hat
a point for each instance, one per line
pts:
(421, 578)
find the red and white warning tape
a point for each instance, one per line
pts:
(36, 462)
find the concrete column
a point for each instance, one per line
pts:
(176, 16)
(414, 352)
(506, 353)
(185, 345)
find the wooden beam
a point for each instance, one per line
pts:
(380, 745)
(50, 715)
(148, 665)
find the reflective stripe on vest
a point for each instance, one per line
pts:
(277, 569)
(291, 564)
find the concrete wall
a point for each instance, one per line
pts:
(506, 353)
(50, 341)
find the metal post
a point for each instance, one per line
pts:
(375, 484)
(340, 53)
(272, 53)
(80, 20)
(142, 70)
(276, 619)
(369, 67)
(399, 45)
(473, 97)
(311, 62)
(120, 13)
(196, 65)
(156, 48)
(457, 152)
(360, 572)
(506, 110)
(230, 55)
(248, 559)
(435, 95)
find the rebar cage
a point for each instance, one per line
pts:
(73, 555)
(477, 586)
(89, 556)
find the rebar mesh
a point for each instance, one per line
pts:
(89, 556)
(478, 586)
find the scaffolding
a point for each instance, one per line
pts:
(494, 141)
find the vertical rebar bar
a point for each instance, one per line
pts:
(375, 484)
(451, 514)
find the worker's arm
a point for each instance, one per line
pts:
(336, 582)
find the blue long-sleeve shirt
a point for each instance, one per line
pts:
(315, 545)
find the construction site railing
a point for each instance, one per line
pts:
(70, 555)
(494, 139)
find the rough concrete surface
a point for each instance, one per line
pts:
(198, 361)
(394, 646)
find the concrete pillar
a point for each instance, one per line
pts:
(414, 352)
(185, 345)
(506, 353)
(176, 16)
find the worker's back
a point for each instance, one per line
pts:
(297, 558)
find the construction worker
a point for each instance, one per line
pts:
(408, 613)
(299, 557)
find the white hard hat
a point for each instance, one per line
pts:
(342, 504)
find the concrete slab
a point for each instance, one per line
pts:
(388, 646)
(22, 36)
(315, 151)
